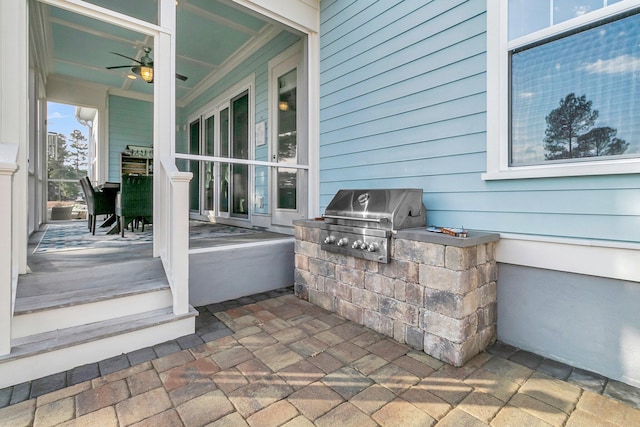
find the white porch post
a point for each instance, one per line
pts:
(14, 115)
(171, 187)
(8, 167)
(179, 249)
(13, 157)
(164, 111)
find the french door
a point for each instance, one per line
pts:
(288, 146)
(221, 189)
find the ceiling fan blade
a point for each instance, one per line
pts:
(181, 77)
(120, 66)
(128, 57)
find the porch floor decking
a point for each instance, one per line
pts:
(96, 272)
(273, 359)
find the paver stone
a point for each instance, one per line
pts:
(315, 400)
(55, 413)
(205, 409)
(345, 415)
(273, 415)
(143, 406)
(401, 413)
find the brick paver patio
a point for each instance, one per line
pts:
(276, 360)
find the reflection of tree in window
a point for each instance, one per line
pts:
(599, 60)
(569, 132)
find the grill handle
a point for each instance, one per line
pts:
(378, 220)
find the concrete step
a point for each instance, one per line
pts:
(43, 354)
(48, 312)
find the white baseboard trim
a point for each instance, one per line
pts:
(610, 259)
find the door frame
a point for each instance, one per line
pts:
(291, 58)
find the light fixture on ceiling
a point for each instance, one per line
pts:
(147, 74)
(283, 105)
(145, 67)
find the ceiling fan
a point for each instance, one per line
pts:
(144, 68)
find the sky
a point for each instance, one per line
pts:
(602, 63)
(61, 119)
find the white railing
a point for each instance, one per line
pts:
(171, 230)
(8, 166)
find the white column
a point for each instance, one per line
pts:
(179, 249)
(313, 128)
(8, 167)
(14, 114)
(164, 107)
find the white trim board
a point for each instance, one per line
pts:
(240, 246)
(615, 260)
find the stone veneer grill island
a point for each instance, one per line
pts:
(437, 293)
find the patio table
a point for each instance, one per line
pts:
(110, 189)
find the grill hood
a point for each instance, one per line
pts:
(389, 209)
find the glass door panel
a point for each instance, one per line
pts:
(240, 150)
(208, 167)
(287, 144)
(194, 167)
(223, 206)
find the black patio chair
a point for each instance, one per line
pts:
(98, 203)
(134, 202)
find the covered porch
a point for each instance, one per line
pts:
(204, 168)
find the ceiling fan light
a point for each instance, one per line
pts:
(147, 74)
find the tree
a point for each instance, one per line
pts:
(78, 154)
(569, 134)
(565, 123)
(601, 142)
(58, 169)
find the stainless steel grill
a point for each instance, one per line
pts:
(360, 223)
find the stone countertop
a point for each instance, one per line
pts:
(473, 238)
(421, 234)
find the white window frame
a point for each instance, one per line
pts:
(498, 118)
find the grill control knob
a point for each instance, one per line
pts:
(373, 247)
(357, 244)
(343, 242)
(329, 240)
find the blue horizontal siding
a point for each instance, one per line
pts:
(427, 37)
(403, 104)
(130, 123)
(450, 128)
(334, 91)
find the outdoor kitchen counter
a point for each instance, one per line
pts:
(437, 293)
(420, 234)
(473, 238)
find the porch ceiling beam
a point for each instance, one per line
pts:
(184, 4)
(137, 43)
(41, 39)
(86, 66)
(106, 15)
(198, 62)
(301, 15)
